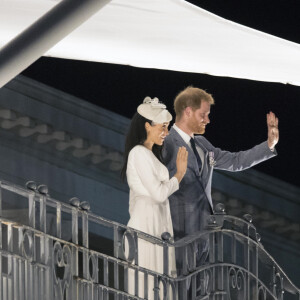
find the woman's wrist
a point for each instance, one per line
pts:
(179, 176)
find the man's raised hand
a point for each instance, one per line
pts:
(273, 132)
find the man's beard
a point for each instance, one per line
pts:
(196, 128)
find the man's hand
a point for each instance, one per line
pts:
(273, 132)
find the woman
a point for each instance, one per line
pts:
(150, 186)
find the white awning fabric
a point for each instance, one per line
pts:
(164, 34)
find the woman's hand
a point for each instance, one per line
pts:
(181, 163)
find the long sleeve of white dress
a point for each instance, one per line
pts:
(148, 177)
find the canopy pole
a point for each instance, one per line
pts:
(42, 35)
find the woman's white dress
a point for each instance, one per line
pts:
(149, 210)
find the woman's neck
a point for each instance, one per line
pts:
(148, 145)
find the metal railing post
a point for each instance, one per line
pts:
(31, 210)
(58, 220)
(0, 200)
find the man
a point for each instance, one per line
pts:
(192, 203)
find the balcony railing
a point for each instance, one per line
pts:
(53, 250)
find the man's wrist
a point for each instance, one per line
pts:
(271, 145)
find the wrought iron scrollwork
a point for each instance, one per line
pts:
(93, 267)
(163, 283)
(61, 269)
(204, 282)
(208, 280)
(27, 244)
(125, 244)
(129, 237)
(277, 285)
(172, 289)
(236, 283)
(128, 247)
(167, 287)
(262, 293)
(189, 261)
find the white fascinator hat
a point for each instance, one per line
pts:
(154, 111)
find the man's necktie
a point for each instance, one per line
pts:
(193, 145)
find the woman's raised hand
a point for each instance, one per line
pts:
(181, 163)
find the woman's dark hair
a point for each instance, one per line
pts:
(137, 135)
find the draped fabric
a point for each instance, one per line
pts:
(164, 34)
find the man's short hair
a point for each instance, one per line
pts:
(190, 97)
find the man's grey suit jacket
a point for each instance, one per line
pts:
(192, 203)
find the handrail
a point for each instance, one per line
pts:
(65, 263)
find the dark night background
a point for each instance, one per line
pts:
(238, 119)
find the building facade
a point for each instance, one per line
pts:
(75, 149)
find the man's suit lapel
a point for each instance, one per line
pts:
(192, 161)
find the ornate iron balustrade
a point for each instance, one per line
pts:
(52, 250)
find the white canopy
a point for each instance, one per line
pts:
(164, 34)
